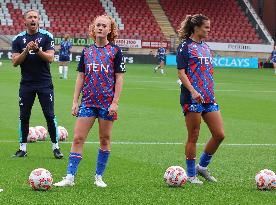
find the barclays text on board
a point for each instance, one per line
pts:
(224, 62)
(230, 62)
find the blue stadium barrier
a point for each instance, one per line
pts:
(224, 62)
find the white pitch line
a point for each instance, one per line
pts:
(174, 89)
(151, 81)
(248, 91)
(158, 143)
(174, 82)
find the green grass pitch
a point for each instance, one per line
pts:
(149, 112)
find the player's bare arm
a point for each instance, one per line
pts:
(118, 89)
(78, 87)
(185, 81)
(47, 56)
(18, 58)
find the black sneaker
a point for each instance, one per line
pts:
(20, 153)
(57, 153)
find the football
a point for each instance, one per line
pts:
(268, 172)
(62, 133)
(265, 180)
(272, 184)
(40, 179)
(33, 135)
(42, 133)
(175, 176)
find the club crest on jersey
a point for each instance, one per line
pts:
(98, 67)
(38, 40)
(24, 40)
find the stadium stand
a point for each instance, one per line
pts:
(65, 18)
(71, 17)
(228, 21)
(139, 21)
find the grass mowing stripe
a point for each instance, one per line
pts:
(154, 143)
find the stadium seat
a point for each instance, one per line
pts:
(227, 18)
(228, 22)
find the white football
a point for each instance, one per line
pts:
(268, 172)
(33, 135)
(263, 180)
(272, 184)
(175, 176)
(62, 133)
(42, 133)
(40, 179)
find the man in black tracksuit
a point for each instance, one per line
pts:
(33, 50)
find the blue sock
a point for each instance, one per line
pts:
(102, 161)
(74, 160)
(191, 167)
(205, 159)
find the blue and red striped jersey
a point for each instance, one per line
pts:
(99, 65)
(196, 59)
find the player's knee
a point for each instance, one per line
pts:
(105, 140)
(219, 136)
(49, 118)
(193, 135)
(24, 118)
(78, 139)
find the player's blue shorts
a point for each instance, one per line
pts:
(273, 60)
(200, 108)
(64, 58)
(161, 60)
(96, 112)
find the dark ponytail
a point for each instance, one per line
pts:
(188, 25)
